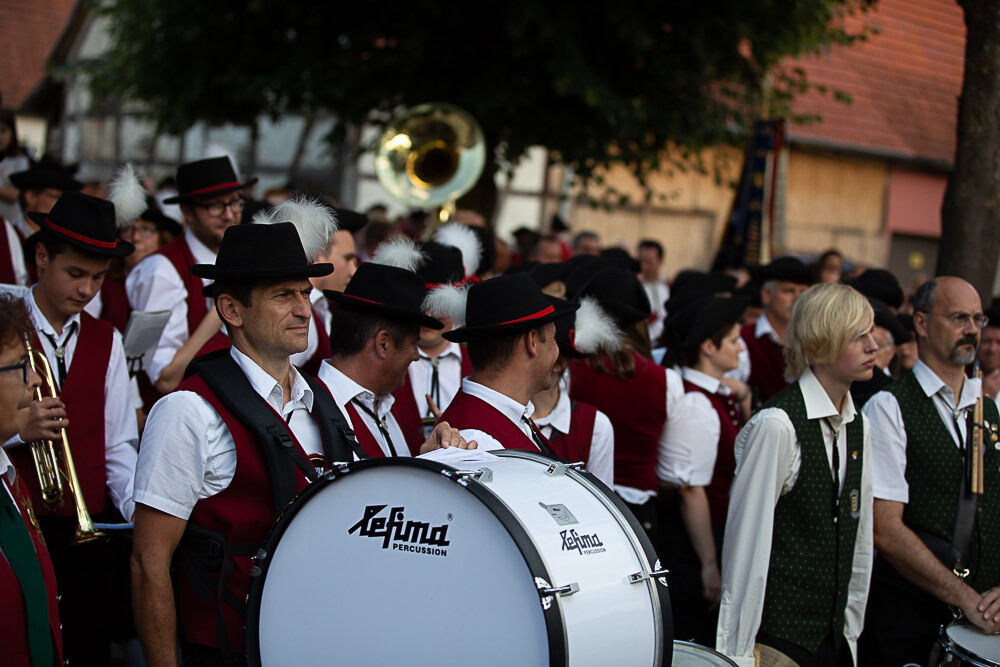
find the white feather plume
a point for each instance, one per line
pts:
(447, 301)
(595, 331)
(314, 220)
(400, 252)
(127, 195)
(264, 216)
(462, 237)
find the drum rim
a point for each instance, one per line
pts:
(554, 622)
(951, 645)
(706, 648)
(663, 610)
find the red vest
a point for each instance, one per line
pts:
(243, 512)
(7, 274)
(575, 445)
(467, 411)
(322, 346)
(767, 364)
(114, 303)
(83, 394)
(637, 408)
(404, 408)
(730, 421)
(365, 437)
(13, 632)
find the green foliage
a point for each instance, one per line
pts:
(637, 82)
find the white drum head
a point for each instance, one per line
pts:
(396, 560)
(970, 643)
(687, 654)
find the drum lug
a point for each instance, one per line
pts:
(481, 475)
(547, 591)
(556, 469)
(659, 573)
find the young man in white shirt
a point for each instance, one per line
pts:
(797, 550)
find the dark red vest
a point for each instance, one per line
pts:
(13, 632)
(7, 274)
(730, 421)
(114, 303)
(364, 436)
(322, 346)
(575, 445)
(179, 254)
(767, 365)
(637, 408)
(243, 512)
(83, 394)
(404, 408)
(467, 411)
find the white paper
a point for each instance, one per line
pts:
(453, 455)
(142, 333)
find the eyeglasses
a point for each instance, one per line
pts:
(961, 320)
(140, 231)
(23, 366)
(217, 209)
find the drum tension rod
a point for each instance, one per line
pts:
(481, 475)
(544, 589)
(557, 469)
(658, 574)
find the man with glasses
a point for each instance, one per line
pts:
(937, 543)
(208, 194)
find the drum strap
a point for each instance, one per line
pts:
(965, 517)
(339, 441)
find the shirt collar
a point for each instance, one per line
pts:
(505, 404)
(41, 322)
(7, 468)
(200, 252)
(763, 327)
(818, 403)
(561, 414)
(345, 390)
(453, 349)
(315, 296)
(931, 384)
(267, 387)
(703, 380)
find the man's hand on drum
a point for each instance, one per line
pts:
(988, 618)
(444, 435)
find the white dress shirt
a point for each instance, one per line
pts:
(768, 459)
(508, 407)
(762, 328)
(312, 339)
(187, 452)
(121, 433)
(658, 292)
(691, 442)
(602, 444)
(154, 284)
(16, 254)
(889, 433)
(345, 390)
(449, 377)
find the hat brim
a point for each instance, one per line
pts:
(484, 332)
(383, 309)
(715, 317)
(121, 249)
(185, 198)
(212, 272)
(29, 181)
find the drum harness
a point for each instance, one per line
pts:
(203, 552)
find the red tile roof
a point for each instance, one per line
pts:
(28, 31)
(904, 82)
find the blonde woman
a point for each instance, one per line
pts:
(797, 551)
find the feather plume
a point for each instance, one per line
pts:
(127, 195)
(400, 252)
(314, 220)
(264, 216)
(460, 236)
(447, 301)
(595, 331)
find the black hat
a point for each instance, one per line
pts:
(751, 290)
(442, 266)
(992, 313)
(544, 274)
(84, 222)
(206, 178)
(714, 282)
(505, 305)
(523, 267)
(884, 317)
(789, 269)
(261, 252)
(621, 257)
(879, 284)
(155, 215)
(617, 290)
(348, 220)
(906, 321)
(46, 173)
(386, 291)
(700, 319)
(565, 331)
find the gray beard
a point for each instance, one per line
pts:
(960, 358)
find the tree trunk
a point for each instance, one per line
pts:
(970, 214)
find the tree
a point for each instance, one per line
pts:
(970, 214)
(639, 82)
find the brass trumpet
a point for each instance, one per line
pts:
(54, 461)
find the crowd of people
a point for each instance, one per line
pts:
(793, 440)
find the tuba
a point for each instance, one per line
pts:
(430, 155)
(54, 460)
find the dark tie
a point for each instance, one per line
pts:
(382, 426)
(435, 391)
(61, 352)
(19, 550)
(836, 471)
(536, 435)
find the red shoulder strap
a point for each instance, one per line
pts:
(467, 411)
(404, 409)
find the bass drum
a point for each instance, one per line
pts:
(968, 646)
(513, 560)
(687, 654)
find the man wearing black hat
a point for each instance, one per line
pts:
(208, 194)
(73, 250)
(510, 336)
(763, 367)
(375, 326)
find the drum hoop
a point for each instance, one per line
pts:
(952, 647)
(554, 623)
(660, 599)
(708, 649)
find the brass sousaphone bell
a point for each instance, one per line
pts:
(430, 155)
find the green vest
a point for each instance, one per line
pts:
(812, 549)
(934, 469)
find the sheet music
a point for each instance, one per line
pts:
(142, 333)
(453, 455)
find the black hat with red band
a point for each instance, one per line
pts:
(252, 253)
(506, 305)
(386, 291)
(84, 222)
(206, 178)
